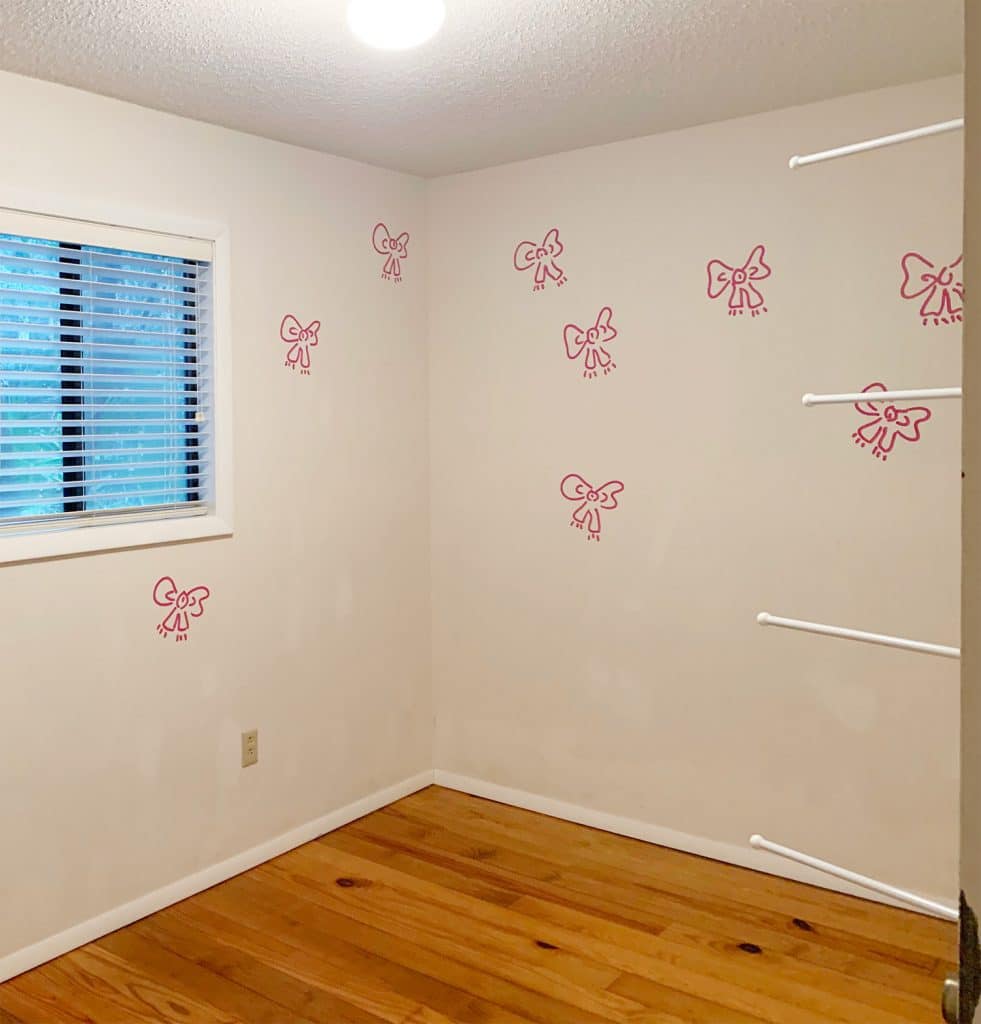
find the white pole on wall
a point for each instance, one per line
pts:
(886, 140)
(923, 394)
(901, 895)
(881, 639)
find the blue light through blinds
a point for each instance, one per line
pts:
(104, 383)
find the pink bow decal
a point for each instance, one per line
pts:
(542, 258)
(184, 605)
(941, 288)
(740, 282)
(887, 423)
(590, 501)
(592, 341)
(394, 249)
(300, 339)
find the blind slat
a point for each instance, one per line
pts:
(92, 469)
(182, 273)
(34, 494)
(197, 433)
(56, 330)
(8, 344)
(56, 313)
(196, 364)
(97, 425)
(171, 495)
(95, 300)
(35, 439)
(13, 245)
(179, 393)
(16, 377)
(94, 404)
(87, 290)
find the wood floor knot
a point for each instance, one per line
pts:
(482, 853)
(353, 883)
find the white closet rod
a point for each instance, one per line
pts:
(766, 619)
(931, 907)
(883, 396)
(886, 140)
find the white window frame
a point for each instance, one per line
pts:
(218, 521)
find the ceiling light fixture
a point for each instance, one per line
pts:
(395, 24)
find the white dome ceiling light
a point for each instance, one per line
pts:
(395, 24)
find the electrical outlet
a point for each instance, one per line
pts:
(250, 748)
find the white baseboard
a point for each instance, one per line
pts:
(744, 857)
(47, 949)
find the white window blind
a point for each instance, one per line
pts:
(105, 375)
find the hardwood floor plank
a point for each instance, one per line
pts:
(838, 996)
(717, 928)
(417, 867)
(22, 1008)
(313, 867)
(563, 835)
(188, 935)
(660, 906)
(647, 867)
(917, 987)
(693, 1009)
(6, 1017)
(106, 990)
(448, 909)
(569, 979)
(139, 949)
(407, 966)
(659, 962)
(277, 942)
(852, 996)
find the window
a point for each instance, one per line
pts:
(106, 377)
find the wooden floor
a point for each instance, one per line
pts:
(445, 908)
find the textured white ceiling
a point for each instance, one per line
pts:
(504, 80)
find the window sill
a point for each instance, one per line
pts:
(92, 539)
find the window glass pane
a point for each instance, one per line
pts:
(100, 401)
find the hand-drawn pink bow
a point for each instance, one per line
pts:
(300, 339)
(942, 288)
(887, 423)
(591, 500)
(395, 249)
(740, 282)
(542, 258)
(184, 605)
(591, 341)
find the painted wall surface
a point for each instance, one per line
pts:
(970, 982)
(626, 405)
(119, 764)
(629, 675)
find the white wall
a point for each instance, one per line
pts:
(119, 751)
(626, 676)
(629, 676)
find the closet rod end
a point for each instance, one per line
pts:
(756, 842)
(794, 162)
(764, 618)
